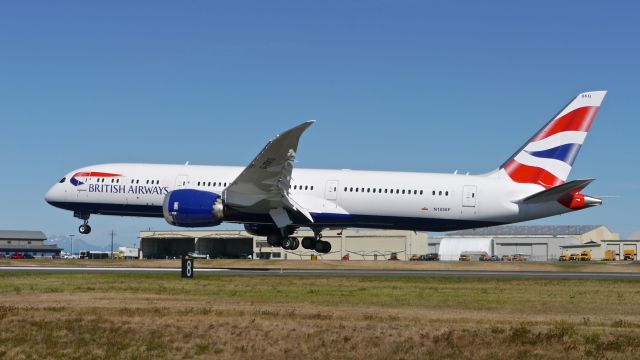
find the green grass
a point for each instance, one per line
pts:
(159, 315)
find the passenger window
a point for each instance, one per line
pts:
(295, 187)
(356, 189)
(385, 191)
(403, 191)
(420, 192)
(351, 189)
(440, 193)
(368, 189)
(306, 187)
(446, 193)
(374, 190)
(433, 193)
(312, 187)
(345, 189)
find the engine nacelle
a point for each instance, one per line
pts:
(193, 208)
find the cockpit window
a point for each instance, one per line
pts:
(62, 180)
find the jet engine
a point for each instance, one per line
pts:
(193, 208)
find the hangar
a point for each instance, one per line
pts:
(26, 242)
(535, 242)
(234, 244)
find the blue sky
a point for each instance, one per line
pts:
(394, 85)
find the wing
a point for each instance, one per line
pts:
(263, 186)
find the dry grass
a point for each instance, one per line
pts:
(73, 316)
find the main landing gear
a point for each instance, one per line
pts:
(286, 242)
(312, 243)
(84, 228)
(309, 243)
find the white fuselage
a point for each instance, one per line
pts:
(334, 198)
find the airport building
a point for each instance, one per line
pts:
(26, 243)
(233, 244)
(534, 242)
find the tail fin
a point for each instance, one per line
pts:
(546, 159)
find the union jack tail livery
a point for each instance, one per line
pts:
(546, 159)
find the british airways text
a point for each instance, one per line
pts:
(132, 189)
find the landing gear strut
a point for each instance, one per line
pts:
(84, 228)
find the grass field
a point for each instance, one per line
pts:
(157, 315)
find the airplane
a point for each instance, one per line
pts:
(271, 198)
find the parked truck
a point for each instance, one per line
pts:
(609, 255)
(585, 255)
(126, 253)
(629, 254)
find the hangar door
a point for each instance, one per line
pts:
(533, 252)
(512, 249)
(539, 252)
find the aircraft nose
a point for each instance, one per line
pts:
(50, 196)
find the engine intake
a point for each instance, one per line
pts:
(193, 208)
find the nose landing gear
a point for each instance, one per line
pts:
(84, 228)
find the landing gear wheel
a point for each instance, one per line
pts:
(308, 243)
(274, 240)
(296, 244)
(323, 247)
(287, 243)
(84, 229)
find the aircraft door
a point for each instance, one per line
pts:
(182, 181)
(469, 196)
(331, 191)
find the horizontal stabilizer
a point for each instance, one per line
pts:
(558, 192)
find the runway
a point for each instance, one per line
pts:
(341, 272)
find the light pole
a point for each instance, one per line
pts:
(71, 237)
(111, 254)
